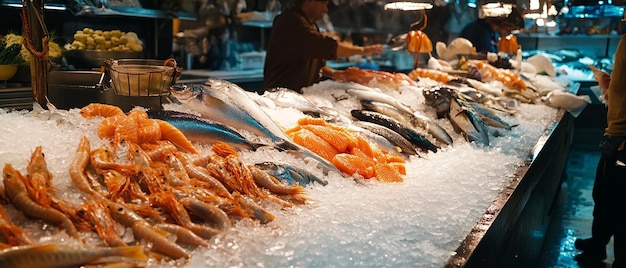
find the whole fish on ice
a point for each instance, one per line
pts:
(225, 102)
(284, 97)
(200, 129)
(416, 119)
(389, 135)
(490, 117)
(289, 173)
(462, 117)
(404, 130)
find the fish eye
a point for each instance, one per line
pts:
(120, 209)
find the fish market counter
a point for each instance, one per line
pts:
(467, 205)
(512, 230)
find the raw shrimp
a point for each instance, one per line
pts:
(209, 212)
(16, 191)
(143, 231)
(39, 180)
(100, 220)
(103, 158)
(183, 235)
(168, 201)
(13, 234)
(202, 174)
(77, 168)
(264, 179)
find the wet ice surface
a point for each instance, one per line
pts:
(416, 223)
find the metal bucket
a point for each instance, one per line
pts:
(141, 77)
(76, 89)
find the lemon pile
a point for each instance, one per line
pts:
(114, 40)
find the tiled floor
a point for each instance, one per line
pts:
(573, 212)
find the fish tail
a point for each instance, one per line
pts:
(132, 252)
(285, 146)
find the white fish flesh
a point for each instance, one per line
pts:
(571, 102)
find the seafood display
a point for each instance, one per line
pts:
(227, 103)
(226, 177)
(150, 179)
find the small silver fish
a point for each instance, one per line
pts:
(406, 131)
(389, 135)
(290, 174)
(288, 98)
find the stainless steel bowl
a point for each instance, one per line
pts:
(88, 59)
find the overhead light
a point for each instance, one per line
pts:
(497, 9)
(409, 6)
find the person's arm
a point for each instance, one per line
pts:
(327, 71)
(347, 50)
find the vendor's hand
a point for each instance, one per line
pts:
(602, 77)
(372, 50)
(604, 81)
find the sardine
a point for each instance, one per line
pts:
(461, 115)
(200, 129)
(58, 255)
(288, 98)
(370, 95)
(405, 146)
(290, 174)
(489, 117)
(415, 119)
(227, 103)
(468, 123)
(404, 130)
(378, 140)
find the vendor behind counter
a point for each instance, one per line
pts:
(485, 32)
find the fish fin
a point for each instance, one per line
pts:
(42, 248)
(133, 252)
(285, 146)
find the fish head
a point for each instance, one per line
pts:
(219, 84)
(437, 98)
(186, 92)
